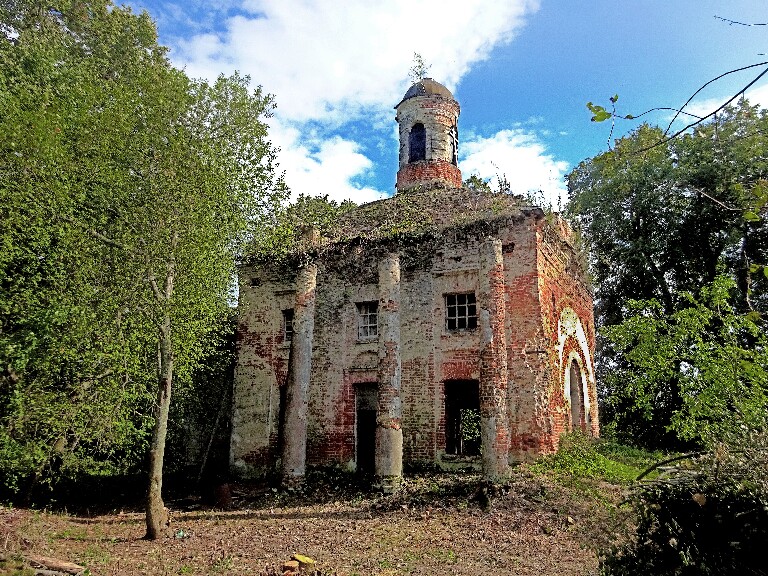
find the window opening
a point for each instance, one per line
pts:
(367, 320)
(454, 146)
(417, 143)
(460, 312)
(288, 325)
(462, 418)
(577, 397)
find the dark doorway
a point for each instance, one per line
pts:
(462, 417)
(417, 143)
(577, 398)
(283, 400)
(366, 400)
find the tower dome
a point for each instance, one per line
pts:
(428, 118)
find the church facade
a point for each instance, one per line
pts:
(445, 326)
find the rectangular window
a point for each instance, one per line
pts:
(460, 311)
(288, 325)
(367, 320)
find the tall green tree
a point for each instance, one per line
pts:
(158, 182)
(660, 217)
(694, 375)
(662, 220)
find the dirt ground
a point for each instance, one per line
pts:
(436, 524)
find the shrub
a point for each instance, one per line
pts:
(708, 515)
(581, 456)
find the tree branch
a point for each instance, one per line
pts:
(711, 114)
(723, 75)
(715, 200)
(732, 22)
(153, 284)
(107, 240)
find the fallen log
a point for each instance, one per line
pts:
(55, 564)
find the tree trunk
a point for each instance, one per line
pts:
(157, 517)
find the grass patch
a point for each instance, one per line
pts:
(582, 457)
(15, 566)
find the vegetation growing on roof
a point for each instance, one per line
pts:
(415, 214)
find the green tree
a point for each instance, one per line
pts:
(74, 362)
(659, 218)
(284, 231)
(662, 218)
(697, 374)
(157, 182)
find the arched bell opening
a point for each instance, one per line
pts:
(417, 143)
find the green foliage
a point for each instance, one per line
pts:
(470, 424)
(599, 113)
(707, 517)
(477, 184)
(419, 70)
(128, 191)
(286, 229)
(663, 218)
(696, 373)
(199, 415)
(580, 456)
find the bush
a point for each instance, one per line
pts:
(581, 456)
(707, 516)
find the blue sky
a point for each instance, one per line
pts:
(522, 71)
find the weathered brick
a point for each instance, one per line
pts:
(535, 321)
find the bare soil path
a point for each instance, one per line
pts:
(437, 524)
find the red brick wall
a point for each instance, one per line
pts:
(428, 172)
(563, 285)
(541, 276)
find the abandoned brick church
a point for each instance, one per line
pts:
(444, 326)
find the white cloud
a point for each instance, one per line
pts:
(522, 158)
(329, 63)
(702, 108)
(318, 166)
(759, 96)
(323, 59)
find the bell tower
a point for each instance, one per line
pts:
(428, 118)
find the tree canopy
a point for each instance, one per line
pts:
(661, 218)
(666, 221)
(130, 191)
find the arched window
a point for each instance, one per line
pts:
(454, 146)
(417, 143)
(577, 398)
